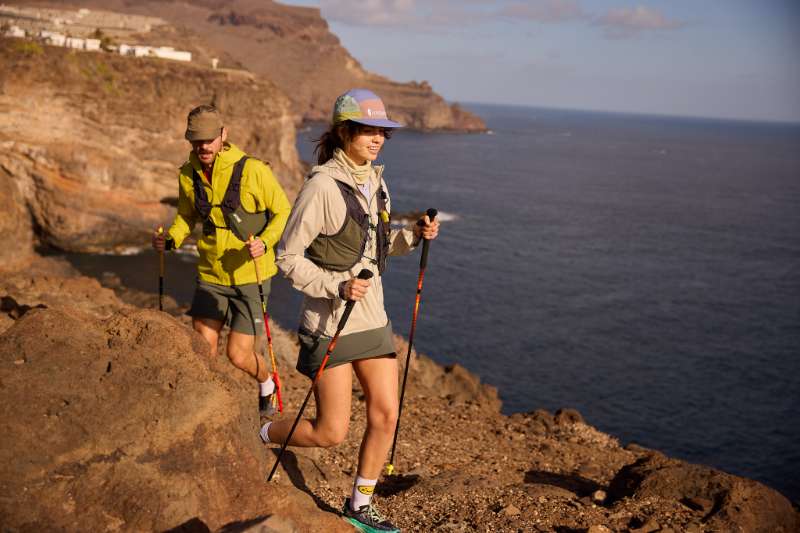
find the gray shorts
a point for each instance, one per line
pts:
(238, 306)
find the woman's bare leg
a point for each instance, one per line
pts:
(332, 395)
(378, 377)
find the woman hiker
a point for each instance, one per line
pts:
(232, 196)
(340, 225)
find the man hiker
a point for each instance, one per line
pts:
(233, 196)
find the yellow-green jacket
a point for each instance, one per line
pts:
(224, 259)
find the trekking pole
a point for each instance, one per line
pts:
(348, 308)
(423, 262)
(275, 377)
(161, 274)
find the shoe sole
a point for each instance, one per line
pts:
(367, 529)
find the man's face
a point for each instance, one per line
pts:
(208, 149)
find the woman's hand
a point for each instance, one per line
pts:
(256, 247)
(428, 230)
(354, 289)
(159, 239)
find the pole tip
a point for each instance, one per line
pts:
(389, 469)
(365, 274)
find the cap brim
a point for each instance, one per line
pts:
(378, 122)
(207, 135)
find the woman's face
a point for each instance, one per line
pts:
(365, 145)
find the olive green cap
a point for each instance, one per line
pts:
(203, 123)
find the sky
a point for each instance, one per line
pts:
(708, 58)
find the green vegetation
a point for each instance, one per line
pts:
(28, 48)
(105, 41)
(100, 72)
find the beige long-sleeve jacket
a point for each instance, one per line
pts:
(320, 209)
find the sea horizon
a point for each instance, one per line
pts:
(471, 105)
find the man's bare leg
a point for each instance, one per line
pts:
(209, 329)
(241, 352)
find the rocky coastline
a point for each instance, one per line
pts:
(119, 420)
(116, 418)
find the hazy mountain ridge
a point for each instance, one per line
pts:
(291, 46)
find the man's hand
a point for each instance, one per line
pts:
(428, 230)
(159, 239)
(256, 247)
(355, 289)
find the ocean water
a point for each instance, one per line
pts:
(642, 270)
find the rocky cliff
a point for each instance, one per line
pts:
(289, 45)
(116, 419)
(91, 142)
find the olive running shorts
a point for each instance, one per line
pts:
(362, 345)
(238, 306)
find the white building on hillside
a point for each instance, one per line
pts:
(59, 39)
(15, 31)
(167, 52)
(164, 52)
(75, 42)
(51, 37)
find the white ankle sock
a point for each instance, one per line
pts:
(266, 388)
(362, 492)
(264, 433)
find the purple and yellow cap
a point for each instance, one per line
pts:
(363, 107)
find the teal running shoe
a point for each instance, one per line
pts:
(367, 519)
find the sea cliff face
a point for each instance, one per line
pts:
(91, 143)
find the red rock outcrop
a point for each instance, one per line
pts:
(91, 142)
(122, 422)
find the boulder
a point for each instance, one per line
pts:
(125, 423)
(739, 504)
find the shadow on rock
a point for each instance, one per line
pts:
(15, 310)
(292, 468)
(572, 482)
(395, 484)
(195, 525)
(242, 525)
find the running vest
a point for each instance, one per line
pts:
(240, 222)
(344, 249)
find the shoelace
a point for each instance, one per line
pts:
(374, 515)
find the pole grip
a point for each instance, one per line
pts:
(423, 261)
